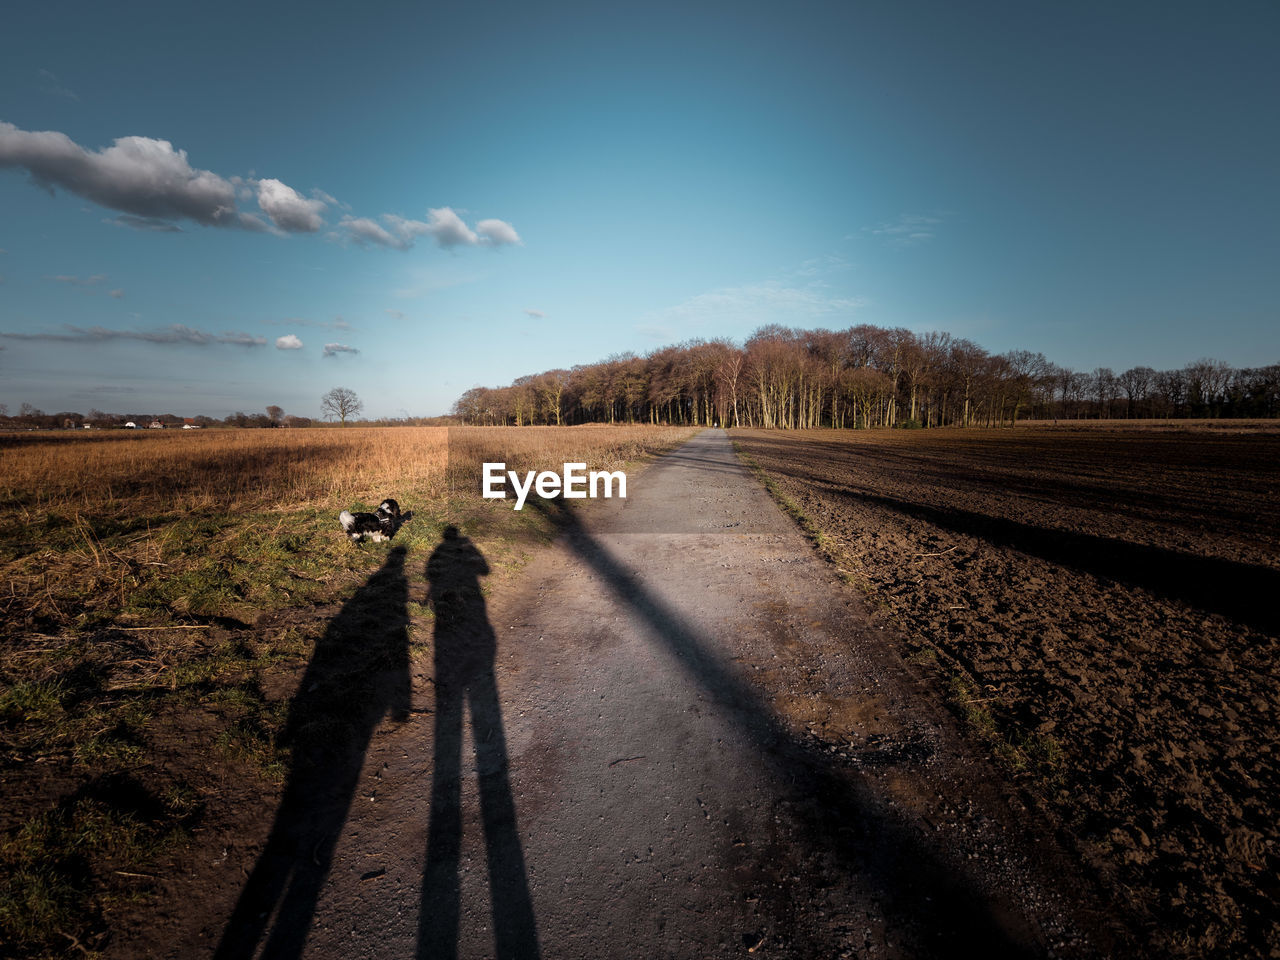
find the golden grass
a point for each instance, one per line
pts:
(89, 519)
(220, 469)
(229, 470)
(134, 572)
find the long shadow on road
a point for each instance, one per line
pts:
(936, 909)
(358, 675)
(465, 646)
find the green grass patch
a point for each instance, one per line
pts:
(51, 865)
(1020, 750)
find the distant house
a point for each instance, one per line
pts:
(131, 425)
(155, 425)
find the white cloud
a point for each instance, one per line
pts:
(363, 230)
(443, 225)
(153, 185)
(116, 294)
(288, 342)
(394, 314)
(498, 233)
(446, 228)
(334, 349)
(136, 175)
(536, 314)
(289, 210)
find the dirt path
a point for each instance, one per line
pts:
(697, 747)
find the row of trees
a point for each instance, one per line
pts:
(860, 377)
(30, 417)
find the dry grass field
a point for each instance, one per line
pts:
(1099, 604)
(160, 593)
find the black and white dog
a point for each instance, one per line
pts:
(381, 525)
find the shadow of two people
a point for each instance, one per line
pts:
(357, 677)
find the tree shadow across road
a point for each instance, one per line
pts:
(358, 675)
(465, 647)
(934, 908)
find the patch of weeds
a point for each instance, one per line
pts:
(32, 702)
(252, 741)
(973, 711)
(1028, 753)
(54, 866)
(120, 746)
(1044, 751)
(922, 656)
(205, 587)
(825, 544)
(205, 673)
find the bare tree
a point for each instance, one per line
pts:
(1135, 382)
(341, 403)
(1103, 381)
(727, 374)
(275, 414)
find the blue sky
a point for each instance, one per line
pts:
(420, 198)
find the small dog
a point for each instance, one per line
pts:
(379, 526)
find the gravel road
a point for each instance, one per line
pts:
(677, 734)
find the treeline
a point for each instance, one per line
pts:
(864, 376)
(29, 417)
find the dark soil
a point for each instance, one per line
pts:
(1104, 606)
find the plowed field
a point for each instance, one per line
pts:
(1104, 608)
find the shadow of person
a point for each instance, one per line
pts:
(465, 646)
(358, 675)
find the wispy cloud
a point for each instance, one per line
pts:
(96, 280)
(174, 334)
(337, 323)
(536, 314)
(116, 294)
(747, 306)
(52, 86)
(288, 342)
(335, 349)
(442, 225)
(104, 390)
(145, 223)
(394, 314)
(819, 266)
(908, 230)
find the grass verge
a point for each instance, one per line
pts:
(162, 597)
(1019, 750)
